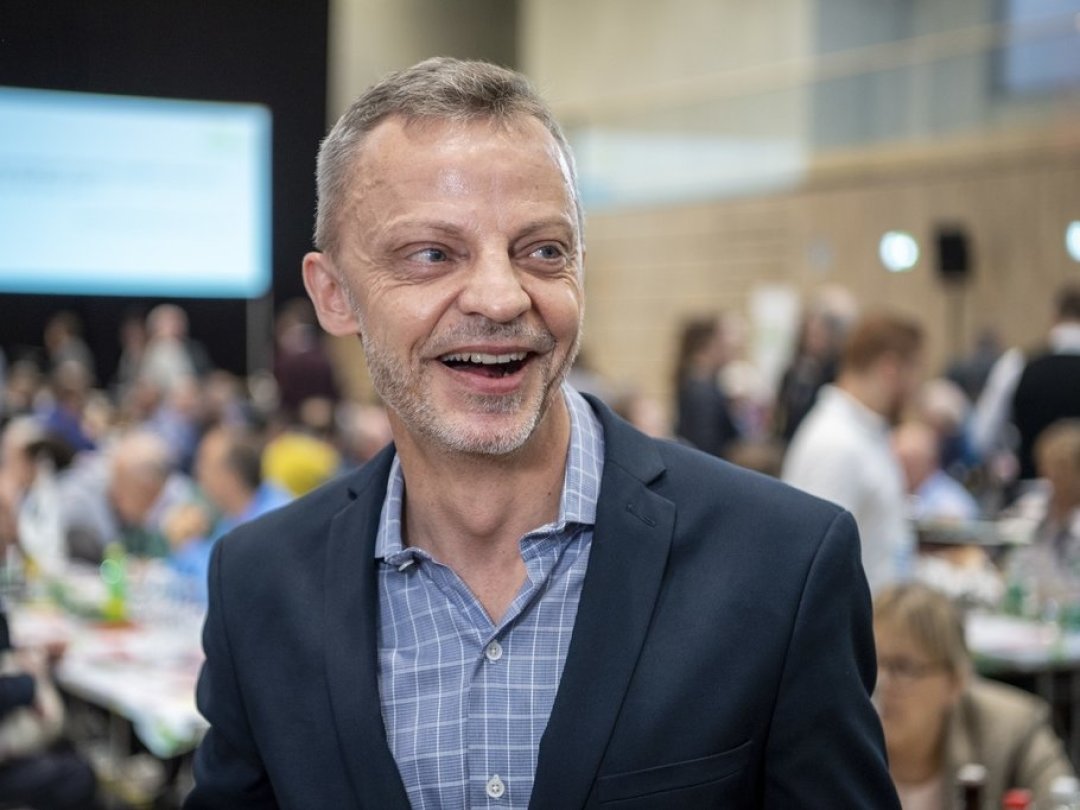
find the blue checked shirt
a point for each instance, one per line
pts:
(464, 701)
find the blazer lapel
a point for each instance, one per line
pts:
(626, 565)
(351, 610)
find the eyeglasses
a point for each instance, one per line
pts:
(907, 671)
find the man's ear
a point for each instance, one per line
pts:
(327, 292)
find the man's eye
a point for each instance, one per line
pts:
(548, 252)
(431, 255)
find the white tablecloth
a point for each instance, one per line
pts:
(145, 671)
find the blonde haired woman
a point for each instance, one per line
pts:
(938, 716)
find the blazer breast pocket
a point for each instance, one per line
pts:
(677, 784)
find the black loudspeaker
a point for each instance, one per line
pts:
(953, 254)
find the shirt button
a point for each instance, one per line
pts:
(493, 652)
(495, 787)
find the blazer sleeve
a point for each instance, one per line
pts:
(1040, 759)
(228, 769)
(825, 747)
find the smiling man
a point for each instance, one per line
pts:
(523, 602)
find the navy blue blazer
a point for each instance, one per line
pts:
(722, 655)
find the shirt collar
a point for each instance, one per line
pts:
(580, 492)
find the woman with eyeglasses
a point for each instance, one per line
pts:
(938, 716)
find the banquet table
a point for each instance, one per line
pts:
(142, 670)
(1039, 654)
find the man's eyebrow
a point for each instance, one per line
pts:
(535, 226)
(456, 229)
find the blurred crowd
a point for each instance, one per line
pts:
(171, 452)
(966, 478)
(143, 472)
(965, 484)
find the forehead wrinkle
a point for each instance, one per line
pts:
(538, 196)
(413, 228)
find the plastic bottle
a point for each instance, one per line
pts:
(971, 784)
(114, 574)
(1016, 799)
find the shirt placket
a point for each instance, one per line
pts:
(495, 705)
(490, 777)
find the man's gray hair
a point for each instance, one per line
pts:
(439, 89)
(145, 453)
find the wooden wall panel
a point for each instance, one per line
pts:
(648, 270)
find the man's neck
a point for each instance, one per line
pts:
(470, 512)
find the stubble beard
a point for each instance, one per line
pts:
(403, 391)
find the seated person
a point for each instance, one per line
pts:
(35, 770)
(935, 495)
(17, 472)
(944, 513)
(228, 469)
(938, 716)
(31, 508)
(1057, 459)
(64, 416)
(123, 494)
(297, 461)
(144, 486)
(1048, 515)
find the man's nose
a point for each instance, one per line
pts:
(493, 289)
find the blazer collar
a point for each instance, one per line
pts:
(630, 545)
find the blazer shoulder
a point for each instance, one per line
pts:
(698, 480)
(999, 709)
(712, 497)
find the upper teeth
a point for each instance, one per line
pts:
(485, 359)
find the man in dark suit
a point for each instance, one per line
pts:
(1049, 387)
(523, 602)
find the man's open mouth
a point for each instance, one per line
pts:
(488, 365)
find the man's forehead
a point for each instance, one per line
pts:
(430, 153)
(424, 136)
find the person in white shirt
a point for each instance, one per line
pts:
(841, 452)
